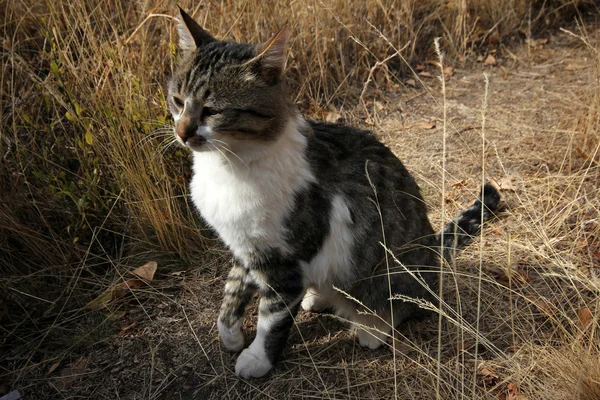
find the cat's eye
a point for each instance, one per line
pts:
(209, 112)
(178, 101)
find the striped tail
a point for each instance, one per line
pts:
(461, 230)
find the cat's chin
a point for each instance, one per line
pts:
(198, 148)
(197, 144)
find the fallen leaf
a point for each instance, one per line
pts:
(449, 197)
(513, 348)
(425, 124)
(53, 367)
(507, 277)
(333, 117)
(70, 373)
(146, 271)
(113, 293)
(490, 60)
(378, 106)
(448, 72)
(460, 184)
(584, 317)
(507, 184)
(494, 38)
(513, 392)
(544, 305)
(411, 82)
(425, 74)
(536, 42)
(487, 373)
(575, 67)
(126, 328)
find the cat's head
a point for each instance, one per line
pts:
(227, 94)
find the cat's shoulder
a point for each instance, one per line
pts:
(326, 130)
(340, 139)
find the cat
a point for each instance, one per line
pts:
(308, 209)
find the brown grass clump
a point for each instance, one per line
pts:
(91, 186)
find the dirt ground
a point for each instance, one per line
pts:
(162, 343)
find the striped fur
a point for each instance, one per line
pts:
(304, 206)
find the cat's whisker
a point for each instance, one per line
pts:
(164, 147)
(223, 154)
(147, 139)
(295, 215)
(226, 147)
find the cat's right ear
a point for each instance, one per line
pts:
(191, 35)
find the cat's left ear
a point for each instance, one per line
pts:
(191, 35)
(271, 56)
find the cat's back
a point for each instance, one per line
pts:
(347, 157)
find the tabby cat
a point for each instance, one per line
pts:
(307, 208)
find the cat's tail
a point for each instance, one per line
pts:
(461, 230)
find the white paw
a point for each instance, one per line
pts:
(252, 365)
(233, 338)
(313, 301)
(371, 339)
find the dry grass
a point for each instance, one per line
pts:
(90, 187)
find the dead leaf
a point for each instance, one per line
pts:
(70, 373)
(449, 197)
(584, 317)
(460, 184)
(513, 392)
(507, 276)
(575, 67)
(425, 74)
(487, 373)
(506, 183)
(125, 329)
(333, 117)
(448, 72)
(411, 82)
(146, 271)
(536, 42)
(490, 60)
(425, 124)
(53, 367)
(378, 106)
(544, 305)
(494, 38)
(113, 293)
(513, 348)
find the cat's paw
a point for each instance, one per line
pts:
(370, 339)
(313, 301)
(233, 337)
(252, 364)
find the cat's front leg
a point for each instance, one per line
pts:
(314, 301)
(238, 293)
(278, 306)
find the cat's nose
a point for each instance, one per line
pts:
(185, 129)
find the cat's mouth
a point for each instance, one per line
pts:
(195, 143)
(194, 140)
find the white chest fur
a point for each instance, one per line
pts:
(247, 203)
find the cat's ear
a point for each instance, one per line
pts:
(271, 55)
(191, 35)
